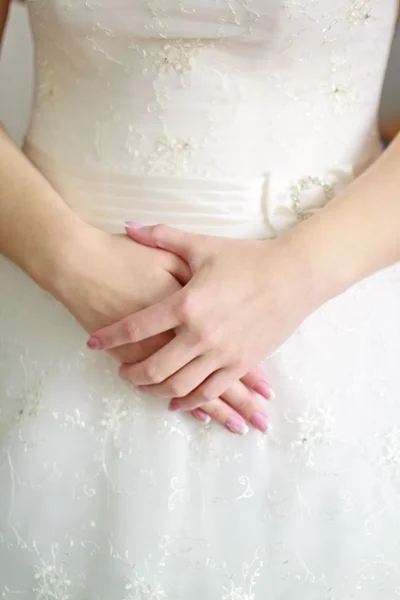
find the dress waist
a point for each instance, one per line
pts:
(259, 208)
(228, 207)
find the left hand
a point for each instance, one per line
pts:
(109, 277)
(244, 300)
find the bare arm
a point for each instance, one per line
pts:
(99, 278)
(358, 233)
(36, 226)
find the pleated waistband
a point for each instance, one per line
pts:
(226, 207)
(259, 208)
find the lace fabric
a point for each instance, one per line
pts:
(237, 118)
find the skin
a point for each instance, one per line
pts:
(100, 278)
(359, 231)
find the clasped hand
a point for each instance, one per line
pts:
(111, 276)
(244, 298)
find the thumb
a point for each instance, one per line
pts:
(178, 242)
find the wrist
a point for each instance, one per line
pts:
(57, 268)
(315, 272)
(331, 253)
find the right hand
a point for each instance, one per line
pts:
(109, 277)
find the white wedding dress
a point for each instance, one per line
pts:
(228, 117)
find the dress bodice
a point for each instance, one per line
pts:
(213, 89)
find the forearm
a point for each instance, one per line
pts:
(38, 231)
(358, 233)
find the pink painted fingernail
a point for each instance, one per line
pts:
(201, 415)
(259, 421)
(174, 405)
(94, 343)
(262, 388)
(236, 424)
(133, 225)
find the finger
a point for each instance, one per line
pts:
(213, 387)
(176, 241)
(222, 413)
(257, 381)
(160, 371)
(139, 326)
(134, 353)
(201, 415)
(143, 234)
(245, 403)
(181, 271)
(188, 378)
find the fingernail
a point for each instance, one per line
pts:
(94, 343)
(236, 425)
(262, 388)
(201, 415)
(133, 225)
(174, 405)
(259, 421)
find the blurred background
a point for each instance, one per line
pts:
(16, 78)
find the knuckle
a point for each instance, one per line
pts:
(221, 353)
(239, 365)
(206, 395)
(187, 308)
(208, 336)
(129, 330)
(152, 374)
(177, 390)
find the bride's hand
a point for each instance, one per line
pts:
(112, 278)
(245, 298)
